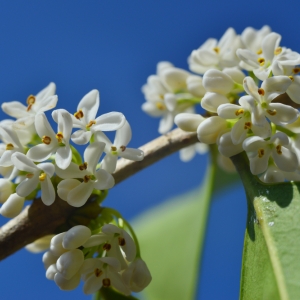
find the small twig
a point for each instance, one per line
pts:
(39, 220)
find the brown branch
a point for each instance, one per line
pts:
(39, 220)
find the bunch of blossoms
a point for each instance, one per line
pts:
(35, 158)
(251, 91)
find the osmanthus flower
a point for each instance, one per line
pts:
(113, 240)
(40, 245)
(118, 148)
(12, 206)
(262, 63)
(85, 119)
(259, 151)
(25, 115)
(137, 276)
(252, 38)
(278, 113)
(77, 191)
(244, 125)
(37, 174)
(216, 55)
(102, 272)
(6, 189)
(226, 147)
(274, 174)
(221, 87)
(53, 143)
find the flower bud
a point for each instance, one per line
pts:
(76, 237)
(188, 122)
(6, 189)
(217, 82)
(13, 206)
(40, 245)
(67, 284)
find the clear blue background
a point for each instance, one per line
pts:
(113, 46)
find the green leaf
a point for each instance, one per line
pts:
(110, 294)
(271, 258)
(171, 237)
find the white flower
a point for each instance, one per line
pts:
(40, 244)
(51, 142)
(85, 119)
(118, 148)
(25, 115)
(188, 153)
(262, 63)
(40, 173)
(226, 147)
(76, 237)
(76, 192)
(188, 122)
(216, 55)
(102, 272)
(6, 189)
(137, 276)
(12, 206)
(277, 113)
(259, 152)
(274, 174)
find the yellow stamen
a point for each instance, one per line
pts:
(272, 112)
(292, 78)
(30, 101)
(259, 51)
(42, 177)
(83, 166)
(98, 272)
(239, 112)
(86, 178)
(29, 175)
(261, 91)
(79, 114)
(46, 139)
(91, 123)
(247, 125)
(113, 148)
(261, 153)
(278, 50)
(278, 149)
(123, 148)
(106, 282)
(261, 61)
(9, 147)
(59, 137)
(160, 106)
(217, 49)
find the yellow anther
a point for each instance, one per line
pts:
(91, 123)
(59, 137)
(161, 97)
(83, 166)
(296, 70)
(261, 61)
(79, 114)
(259, 51)
(160, 106)
(86, 178)
(29, 175)
(98, 272)
(42, 177)
(261, 91)
(278, 149)
(121, 241)
(113, 148)
(9, 147)
(292, 78)
(46, 139)
(30, 101)
(217, 49)
(123, 148)
(247, 125)
(239, 112)
(278, 50)
(272, 112)
(106, 282)
(261, 153)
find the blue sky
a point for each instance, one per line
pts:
(113, 46)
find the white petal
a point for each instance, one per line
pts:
(51, 271)
(41, 152)
(12, 206)
(63, 157)
(92, 284)
(48, 192)
(123, 135)
(46, 92)
(76, 237)
(80, 194)
(170, 101)
(65, 123)
(251, 88)
(92, 155)
(89, 104)
(108, 122)
(285, 114)
(118, 283)
(56, 247)
(229, 111)
(48, 168)
(226, 146)
(22, 162)
(49, 258)
(188, 122)
(129, 248)
(43, 128)
(104, 180)
(286, 161)
(269, 44)
(175, 78)
(96, 239)
(217, 82)
(294, 90)
(65, 186)
(274, 86)
(72, 171)
(65, 284)
(151, 109)
(187, 154)
(40, 245)
(6, 189)
(211, 101)
(14, 109)
(195, 86)
(166, 123)
(28, 185)
(132, 154)
(46, 104)
(248, 57)
(109, 163)
(81, 137)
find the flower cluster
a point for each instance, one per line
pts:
(37, 158)
(107, 258)
(250, 93)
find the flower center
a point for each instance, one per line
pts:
(239, 112)
(217, 50)
(42, 177)
(247, 125)
(291, 77)
(160, 106)
(83, 166)
(98, 272)
(121, 241)
(106, 246)
(114, 150)
(90, 124)
(9, 147)
(30, 101)
(86, 178)
(261, 61)
(278, 50)
(278, 149)
(59, 136)
(272, 112)
(106, 282)
(259, 51)
(46, 139)
(261, 153)
(261, 91)
(79, 114)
